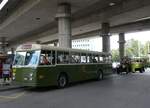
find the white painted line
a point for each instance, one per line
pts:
(13, 97)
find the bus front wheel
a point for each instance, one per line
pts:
(100, 75)
(62, 81)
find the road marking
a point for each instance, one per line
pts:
(13, 97)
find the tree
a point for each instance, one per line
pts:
(115, 55)
(146, 48)
(134, 48)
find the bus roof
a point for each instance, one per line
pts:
(30, 47)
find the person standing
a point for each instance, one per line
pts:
(6, 68)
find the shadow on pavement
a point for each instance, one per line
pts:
(7, 87)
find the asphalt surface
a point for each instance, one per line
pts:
(117, 91)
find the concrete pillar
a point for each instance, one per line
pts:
(12, 51)
(121, 45)
(55, 44)
(64, 25)
(105, 37)
(3, 45)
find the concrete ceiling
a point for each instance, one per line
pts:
(34, 20)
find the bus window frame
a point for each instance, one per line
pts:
(50, 62)
(66, 61)
(62, 54)
(94, 59)
(72, 58)
(63, 60)
(84, 54)
(89, 60)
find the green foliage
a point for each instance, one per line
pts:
(115, 55)
(133, 48)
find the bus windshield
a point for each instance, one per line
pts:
(27, 58)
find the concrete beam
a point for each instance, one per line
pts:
(50, 35)
(22, 10)
(119, 16)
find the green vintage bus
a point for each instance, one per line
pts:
(43, 65)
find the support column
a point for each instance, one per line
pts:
(121, 45)
(64, 25)
(55, 44)
(105, 37)
(3, 45)
(12, 51)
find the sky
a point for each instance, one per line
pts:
(143, 36)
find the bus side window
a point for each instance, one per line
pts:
(95, 58)
(90, 59)
(75, 57)
(104, 58)
(100, 59)
(45, 58)
(66, 57)
(53, 57)
(83, 58)
(60, 57)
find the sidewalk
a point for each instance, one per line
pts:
(8, 85)
(3, 83)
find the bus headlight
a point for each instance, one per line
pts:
(41, 76)
(31, 79)
(13, 77)
(31, 74)
(14, 74)
(25, 79)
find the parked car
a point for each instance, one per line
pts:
(125, 65)
(138, 64)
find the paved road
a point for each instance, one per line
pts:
(123, 91)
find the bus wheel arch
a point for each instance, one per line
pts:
(62, 80)
(100, 74)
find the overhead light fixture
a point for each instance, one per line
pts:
(111, 4)
(37, 18)
(3, 3)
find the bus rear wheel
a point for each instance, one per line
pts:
(100, 75)
(62, 81)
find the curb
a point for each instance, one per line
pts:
(9, 87)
